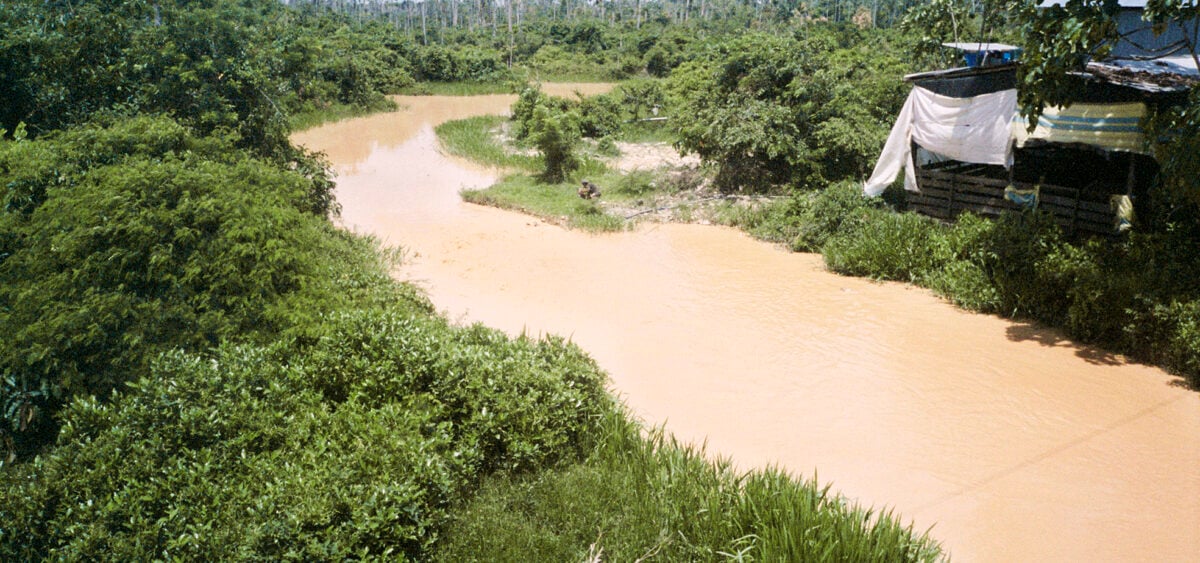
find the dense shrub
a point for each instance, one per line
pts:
(889, 246)
(216, 66)
(840, 210)
(600, 116)
(446, 64)
(524, 109)
(121, 242)
(354, 446)
(768, 111)
(556, 135)
(963, 253)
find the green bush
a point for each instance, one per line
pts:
(1019, 246)
(841, 209)
(1167, 334)
(517, 404)
(963, 279)
(889, 246)
(768, 111)
(126, 241)
(599, 116)
(355, 441)
(556, 135)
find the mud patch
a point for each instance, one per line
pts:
(651, 156)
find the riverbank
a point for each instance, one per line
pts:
(294, 401)
(638, 181)
(898, 398)
(1108, 292)
(427, 197)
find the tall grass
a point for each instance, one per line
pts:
(313, 117)
(458, 88)
(554, 203)
(648, 132)
(477, 138)
(642, 496)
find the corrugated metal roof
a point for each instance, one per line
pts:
(1122, 3)
(1167, 75)
(979, 46)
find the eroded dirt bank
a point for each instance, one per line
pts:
(1013, 444)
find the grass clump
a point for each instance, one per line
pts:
(354, 439)
(647, 497)
(458, 88)
(313, 116)
(478, 139)
(556, 203)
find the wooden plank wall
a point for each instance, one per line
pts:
(949, 188)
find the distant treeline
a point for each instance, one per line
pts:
(435, 16)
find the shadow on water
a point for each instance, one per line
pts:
(1024, 331)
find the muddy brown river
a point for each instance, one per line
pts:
(1010, 442)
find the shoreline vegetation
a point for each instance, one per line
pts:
(197, 364)
(361, 423)
(1111, 293)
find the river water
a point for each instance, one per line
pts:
(1010, 442)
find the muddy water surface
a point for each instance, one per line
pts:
(1013, 444)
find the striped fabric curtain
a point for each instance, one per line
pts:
(1109, 126)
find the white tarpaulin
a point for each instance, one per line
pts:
(974, 129)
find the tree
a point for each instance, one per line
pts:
(767, 111)
(556, 134)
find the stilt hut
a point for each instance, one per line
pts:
(964, 147)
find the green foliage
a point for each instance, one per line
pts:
(768, 111)
(1178, 193)
(960, 256)
(472, 64)
(556, 135)
(599, 116)
(942, 21)
(121, 242)
(524, 110)
(639, 497)
(640, 98)
(477, 138)
(307, 119)
(356, 445)
(217, 67)
(636, 184)
(840, 210)
(1058, 40)
(889, 246)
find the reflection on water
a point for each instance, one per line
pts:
(1013, 443)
